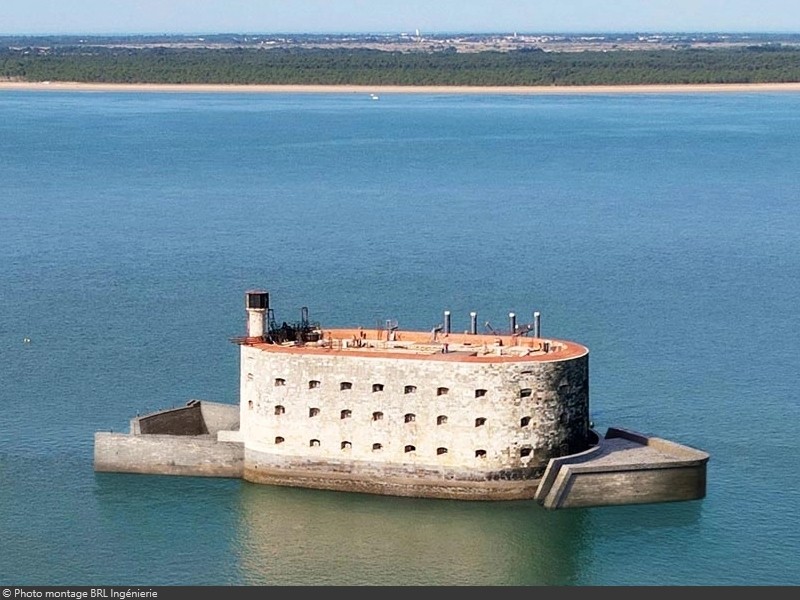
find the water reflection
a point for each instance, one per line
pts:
(169, 530)
(636, 520)
(294, 536)
(670, 541)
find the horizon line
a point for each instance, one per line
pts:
(414, 34)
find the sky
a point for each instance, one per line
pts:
(396, 16)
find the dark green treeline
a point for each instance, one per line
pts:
(375, 67)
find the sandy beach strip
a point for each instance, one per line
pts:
(397, 89)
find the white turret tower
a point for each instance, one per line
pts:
(257, 305)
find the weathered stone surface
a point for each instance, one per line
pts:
(379, 418)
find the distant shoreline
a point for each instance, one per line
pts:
(397, 89)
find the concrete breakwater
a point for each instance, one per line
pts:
(177, 441)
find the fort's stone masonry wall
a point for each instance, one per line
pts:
(521, 432)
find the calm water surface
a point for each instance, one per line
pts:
(659, 230)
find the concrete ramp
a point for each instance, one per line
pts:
(624, 467)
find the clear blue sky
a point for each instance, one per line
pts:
(384, 16)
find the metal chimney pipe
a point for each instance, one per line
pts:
(473, 327)
(537, 322)
(512, 321)
(446, 322)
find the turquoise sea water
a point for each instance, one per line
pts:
(662, 231)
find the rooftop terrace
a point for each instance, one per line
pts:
(426, 345)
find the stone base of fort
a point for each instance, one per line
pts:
(375, 478)
(199, 439)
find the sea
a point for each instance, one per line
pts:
(660, 230)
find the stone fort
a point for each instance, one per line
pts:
(438, 414)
